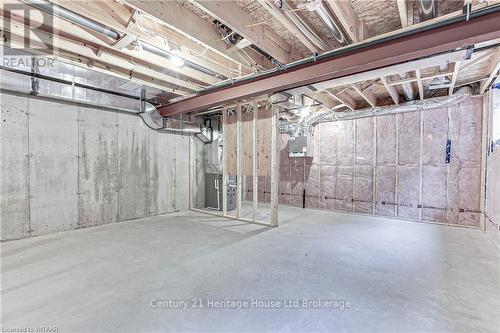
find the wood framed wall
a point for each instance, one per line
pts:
(249, 146)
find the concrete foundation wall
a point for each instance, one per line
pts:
(66, 166)
(393, 165)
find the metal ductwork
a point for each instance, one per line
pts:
(408, 90)
(154, 120)
(288, 11)
(324, 15)
(427, 9)
(56, 10)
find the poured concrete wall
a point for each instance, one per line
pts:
(393, 165)
(66, 166)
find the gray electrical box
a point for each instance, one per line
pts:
(300, 146)
(213, 191)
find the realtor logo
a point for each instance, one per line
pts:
(26, 29)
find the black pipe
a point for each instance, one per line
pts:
(76, 84)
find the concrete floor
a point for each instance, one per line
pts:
(398, 276)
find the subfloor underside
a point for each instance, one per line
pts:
(381, 276)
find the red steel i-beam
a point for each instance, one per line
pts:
(372, 56)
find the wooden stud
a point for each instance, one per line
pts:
(238, 161)
(254, 160)
(487, 105)
(421, 167)
(274, 165)
(419, 84)
(454, 78)
(224, 161)
(403, 12)
(191, 169)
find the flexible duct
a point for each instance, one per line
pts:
(324, 15)
(56, 10)
(303, 126)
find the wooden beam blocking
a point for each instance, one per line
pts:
(393, 92)
(493, 69)
(344, 99)
(367, 94)
(233, 16)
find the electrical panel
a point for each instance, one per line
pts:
(300, 146)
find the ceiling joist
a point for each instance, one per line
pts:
(234, 17)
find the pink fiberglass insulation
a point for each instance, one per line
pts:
(328, 143)
(344, 188)
(408, 192)
(386, 140)
(284, 187)
(296, 181)
(364, 141)
(434, 167)
(345, 143)
(409, 138)
(248, 195)
(389, 165)
(385, 189)
(434, 205)
(363, 189)
(312, 181)
(328, 186)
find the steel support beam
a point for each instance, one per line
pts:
(371, 54)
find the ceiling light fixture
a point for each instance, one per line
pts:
(176, 60)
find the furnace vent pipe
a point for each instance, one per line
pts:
(324, 15)
(408, 90)
(427, 9)
(285, 8)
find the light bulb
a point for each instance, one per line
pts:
(176, 60)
